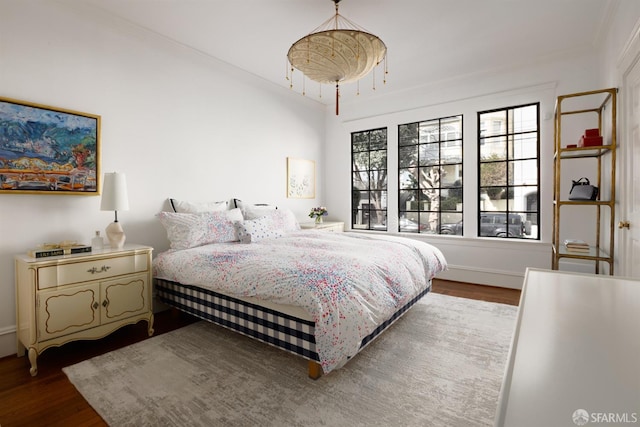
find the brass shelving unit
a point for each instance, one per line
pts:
(602, 251)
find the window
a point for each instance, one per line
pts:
(430, 176)
(369, 179)
(508, 172)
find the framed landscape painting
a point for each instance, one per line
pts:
(301, 178)
(48, 150)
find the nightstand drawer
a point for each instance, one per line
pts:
(59, 275)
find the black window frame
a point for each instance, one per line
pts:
(379, 215)
(508, 212)
(418, 213)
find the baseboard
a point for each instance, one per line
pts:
(8, 341)
(500, 278)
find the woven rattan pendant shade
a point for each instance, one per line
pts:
(336, 52)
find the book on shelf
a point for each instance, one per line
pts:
(576, 245)
(582, 249)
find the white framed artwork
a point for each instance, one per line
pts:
(301, 178)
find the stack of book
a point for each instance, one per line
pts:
(576, 245)
(53, 249)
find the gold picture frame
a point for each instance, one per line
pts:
(48, 150)
(301, 178)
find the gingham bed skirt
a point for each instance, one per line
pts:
(278, 329)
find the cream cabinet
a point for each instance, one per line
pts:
(83, 296)
(331, 226)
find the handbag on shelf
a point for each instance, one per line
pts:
(583, 190)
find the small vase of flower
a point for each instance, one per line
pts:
(318, 213)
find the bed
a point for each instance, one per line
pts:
(323, 296)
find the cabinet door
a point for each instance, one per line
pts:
(68, 310)
(125, 297)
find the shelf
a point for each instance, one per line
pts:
(583, 202)
(584, 152)
(604, 105)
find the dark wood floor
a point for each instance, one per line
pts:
(49, 399)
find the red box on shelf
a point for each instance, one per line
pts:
(591, 133)
(593, 141)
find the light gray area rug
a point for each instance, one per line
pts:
(441, 364)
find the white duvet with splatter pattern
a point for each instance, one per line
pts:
(349, 283)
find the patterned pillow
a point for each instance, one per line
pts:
(187, 230)
(182, 206)
(254, 230)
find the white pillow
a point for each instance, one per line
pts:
(250, 211)
(284, 219)
(187, 230)
(182, 206)
(254, 230)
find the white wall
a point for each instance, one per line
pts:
(177, 123)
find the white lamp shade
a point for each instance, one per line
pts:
(114, 192)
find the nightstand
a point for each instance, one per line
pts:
(331, 226)
(79, 297)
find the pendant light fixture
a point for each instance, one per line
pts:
(338, 51)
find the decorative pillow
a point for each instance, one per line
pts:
(188, 230)
(182, 206)
(254, 230)
(284, 219)
(250, 211)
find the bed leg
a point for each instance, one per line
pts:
(315, 370)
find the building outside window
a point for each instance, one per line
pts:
(508, 172)
(430, 176)
(369, 179)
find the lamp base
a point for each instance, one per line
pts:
(116, 236)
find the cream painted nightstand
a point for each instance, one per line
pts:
(331, 226)
(78, 297)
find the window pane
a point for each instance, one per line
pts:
(452, 152)
(451, 128)
(523, 172)
(429, 131)
(360, 180)
(406, 198)
(378, 179)
(493, 173)
(524, 119)
(378, 140)
(523, 146)
(429, 154)
(451, 176)
(378, 159)
(493, 148)
(361, 160)
(451, 199)
(408, 156)
(493, 123)
(408, 179)
(408, 134)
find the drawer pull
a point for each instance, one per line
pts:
(105, 303)
(94, 270)
(95, 305)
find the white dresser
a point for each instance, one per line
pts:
(575, 355)
(83, 296)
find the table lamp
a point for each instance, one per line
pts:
(115, 198)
